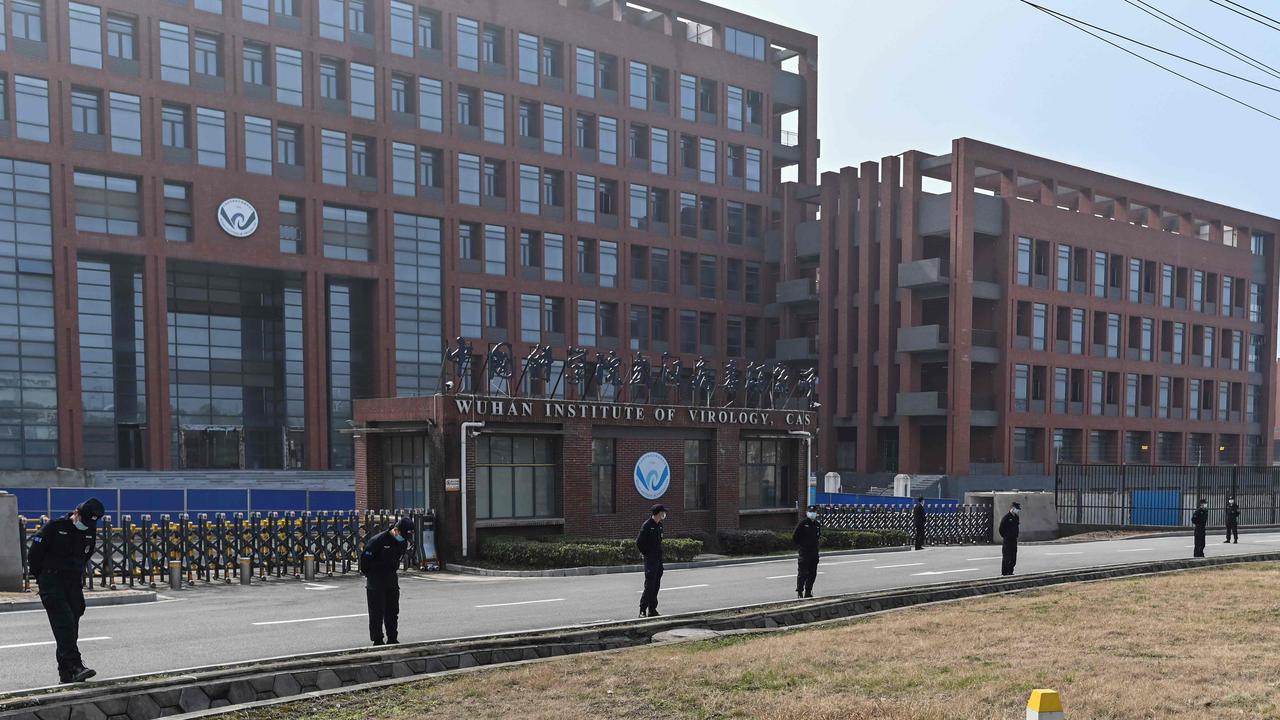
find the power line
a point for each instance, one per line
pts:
(1167, 69)
(1266, 21)
(1183, 27)
(1064, 16)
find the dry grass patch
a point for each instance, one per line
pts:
(1192, 645)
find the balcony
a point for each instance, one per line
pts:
(787, 149)
(788, 90)
(923, 338)
(932, 272)
(797, 291)
(922, 404)
(797, 349)
(808, 240)
(934, 216)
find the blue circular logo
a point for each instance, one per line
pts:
(652, 476)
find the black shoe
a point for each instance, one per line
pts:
(378, 643)
(644, 613)
(808, 595)
(64, 678)
(653, 612)
(799, 594)
(1227, 540)
(393, 642)
(82, 673)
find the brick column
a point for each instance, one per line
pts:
(155, 313)
(725, 474)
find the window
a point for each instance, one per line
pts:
(430, 104)
(585, 72)
(333, 157)
(735, 109)
(255, 11)
(743, 43)
(431, 168)
(331, 80)
(607, 139)
(492, 47)
(468, 179)
(289, 144)
(363, 163)
(528, 58)
(404, 169)
(332, 24)
(659, 151)
(495, 179)
(586, 199)
(763, 480)
(602, 476)
(174, 120)
(494, 117)
(428, 29)
(1197, 290)
(107, 204)
(177, 212)
(257, 145)
(1258, 243)
(289, 76)
(495, 249)
(1024, 261)
(358, 16)
(211, 137)
(401, 95)
(213, 6)
(553, 129)
(552, 59)
(587, 323)
(126, 124)
(688, 97)
(28, 20)
(175, 60)
(363, 94)
(467, 101)
(86, 111)
(86, 34)
(254, 61)
(707, 277)
(208, 52)
(697, 474)
(553, 257)
(348, 233)
(530, 189)
(608, 275)
(468, 44)
(639, 85)
(469, 307)
(401, 26)
(122, 36)
(515, 477)
(754, 169)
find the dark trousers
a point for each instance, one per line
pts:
(806, 573)
(919, 538)
(1009, 557)
(1199, 550)
(383, 594)
(63, 601)
(1233, 530)
(652, 583)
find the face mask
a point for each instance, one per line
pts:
(81, 526)
(812, 515)
(399, 538)
(1015, 511)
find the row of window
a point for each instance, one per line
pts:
(1077, 391)
(1138, 280)
(1177, 343)
(1168, 448)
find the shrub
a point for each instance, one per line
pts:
(850, 539)
(751, 542)
(561, 552)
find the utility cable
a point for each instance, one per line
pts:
(1183, 27)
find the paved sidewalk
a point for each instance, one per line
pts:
(13, 602)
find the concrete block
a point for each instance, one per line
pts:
(193, 699)
(142, 707)
(87, 711)
(285, 685)
(114, 706)
(400, 670)
(216, 691)
(241, 691)
(1037, 521)
(10, 545)
(432, 665)
(466, 660)
(57, 712)
(328, 680)
(306, 679)
(165, 698)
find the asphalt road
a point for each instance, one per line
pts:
(214, 624)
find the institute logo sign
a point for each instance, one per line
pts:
(237, 217)
(652, 476)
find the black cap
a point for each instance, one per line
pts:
(91, 510)
(404, 525)
(657, 509)
(813, 508)
(919, 498)
(1017, 505)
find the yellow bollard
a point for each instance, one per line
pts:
(1044, 705)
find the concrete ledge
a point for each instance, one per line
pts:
(240, 684)
(91, 599)
(613, 569)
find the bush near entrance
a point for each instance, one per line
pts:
(764, 542)
(563, 552)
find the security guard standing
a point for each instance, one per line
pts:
(1009, 539)
(1233, 520)
(807, 536)
(59, 553)
(917, 522)
(379, 563)
(649, 541)
(1200, 518)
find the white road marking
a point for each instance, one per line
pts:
(989, 557)
(682, 587)
(314, 619)
(1136, 550)
(848, 562)
(886, 567)
(944, 572)
(523, 602)
(1074, 552)
(318, 586)
(779, 577)
(48, 642)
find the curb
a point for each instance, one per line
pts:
(1155, 535)
(128, 597)
(252, 682)
(614, 569)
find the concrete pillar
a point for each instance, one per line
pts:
(10, 548)
(1044, 705)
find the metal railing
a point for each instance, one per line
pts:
(963, 525)
(1143, 495)
(210, 550)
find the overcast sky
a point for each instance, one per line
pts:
(899, 75)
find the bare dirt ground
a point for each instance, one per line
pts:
(1193, 645)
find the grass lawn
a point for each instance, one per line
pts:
(1199, 644)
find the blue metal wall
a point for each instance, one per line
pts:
(935, 504)
(34, 502)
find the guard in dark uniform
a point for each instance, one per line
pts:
(807, 536)
(649, 541)
(379, 563)
(1200, 518)
(1233, 521)
(59, 553)
(917, 522)
(1009, 539)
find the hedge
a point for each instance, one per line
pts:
(764, 542)
(561, 552)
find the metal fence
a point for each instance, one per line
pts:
(210, 549)
(1145, 495)
(963, 525)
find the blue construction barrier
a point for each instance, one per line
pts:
(930, 504)
(1156, 507)
(55, 502)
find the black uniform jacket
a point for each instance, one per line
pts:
(60, 548)
(649, 541)
(807, 535)
(1009, 527)
(381, 556)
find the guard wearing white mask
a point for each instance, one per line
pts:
(1009, 539)
(807, 536)
(59, 553)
